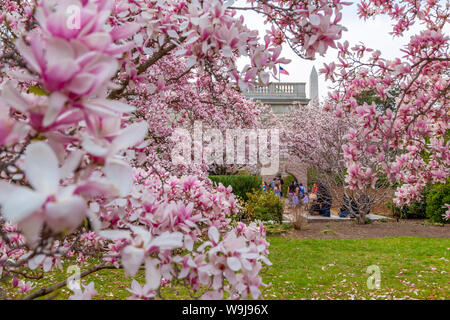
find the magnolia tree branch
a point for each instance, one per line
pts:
(164, 51)
(44, 291)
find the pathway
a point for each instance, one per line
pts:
(288, 217)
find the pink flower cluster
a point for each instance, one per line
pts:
(175, 216)
(70, 69)
(89, 90)
(401, 104)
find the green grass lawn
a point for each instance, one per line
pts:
(411, 268)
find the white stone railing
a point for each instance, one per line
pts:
(293, 89)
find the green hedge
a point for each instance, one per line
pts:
(264, 206)
(241, 184)
(438, 196)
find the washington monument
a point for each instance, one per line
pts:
(313, 87)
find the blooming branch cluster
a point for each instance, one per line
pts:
(401, 104)
(90, 90)
(161, 221)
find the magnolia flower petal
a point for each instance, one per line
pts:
(152, 274)
(93, 148)
(47, 265)
(114, 105)
(36, 261)
(31, 228)
(115, 234)
(41, 168)
(168, 241)
(131, 135)
(71, 163)
(255, 292)
(65, 215)
(55, 105)
(132, 259)
(246, 265)
(213, 234)
(59, 50)
(124, 31)
(314, 19)
(188, 242)
(27, 54)
(120, 175)
(141, 232)
(94, 220)
(234, 263)
(13, 98)
(135, 287)
(81, 83)
(95, 188)
(265, 260)
(14, 208)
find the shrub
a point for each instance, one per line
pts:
(431, 206)
(416, 210)
(241, 184)
(263, 206)
(299, 222)
(277, 229)
(243, 172)
(438, 196)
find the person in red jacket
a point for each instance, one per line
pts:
(315, 188)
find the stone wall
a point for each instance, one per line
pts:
(298, 171)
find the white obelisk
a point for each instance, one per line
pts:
(313, 87)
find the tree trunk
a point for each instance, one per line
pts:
(361, 217)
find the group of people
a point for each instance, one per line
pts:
(297, 193)
(276, 186)
(319, 200)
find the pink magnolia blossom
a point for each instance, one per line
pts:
(104, 149)
(143, 243)
(68, 67)
(87, 294)
(447, 213)
(25, 286)
(141, 293)
(47, 202)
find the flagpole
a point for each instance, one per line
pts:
(279, 74)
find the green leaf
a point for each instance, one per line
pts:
(37, 91)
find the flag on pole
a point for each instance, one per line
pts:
(283, 71)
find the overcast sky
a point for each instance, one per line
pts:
(374, 33)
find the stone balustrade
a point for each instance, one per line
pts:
(279, 95)
(279, 89)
